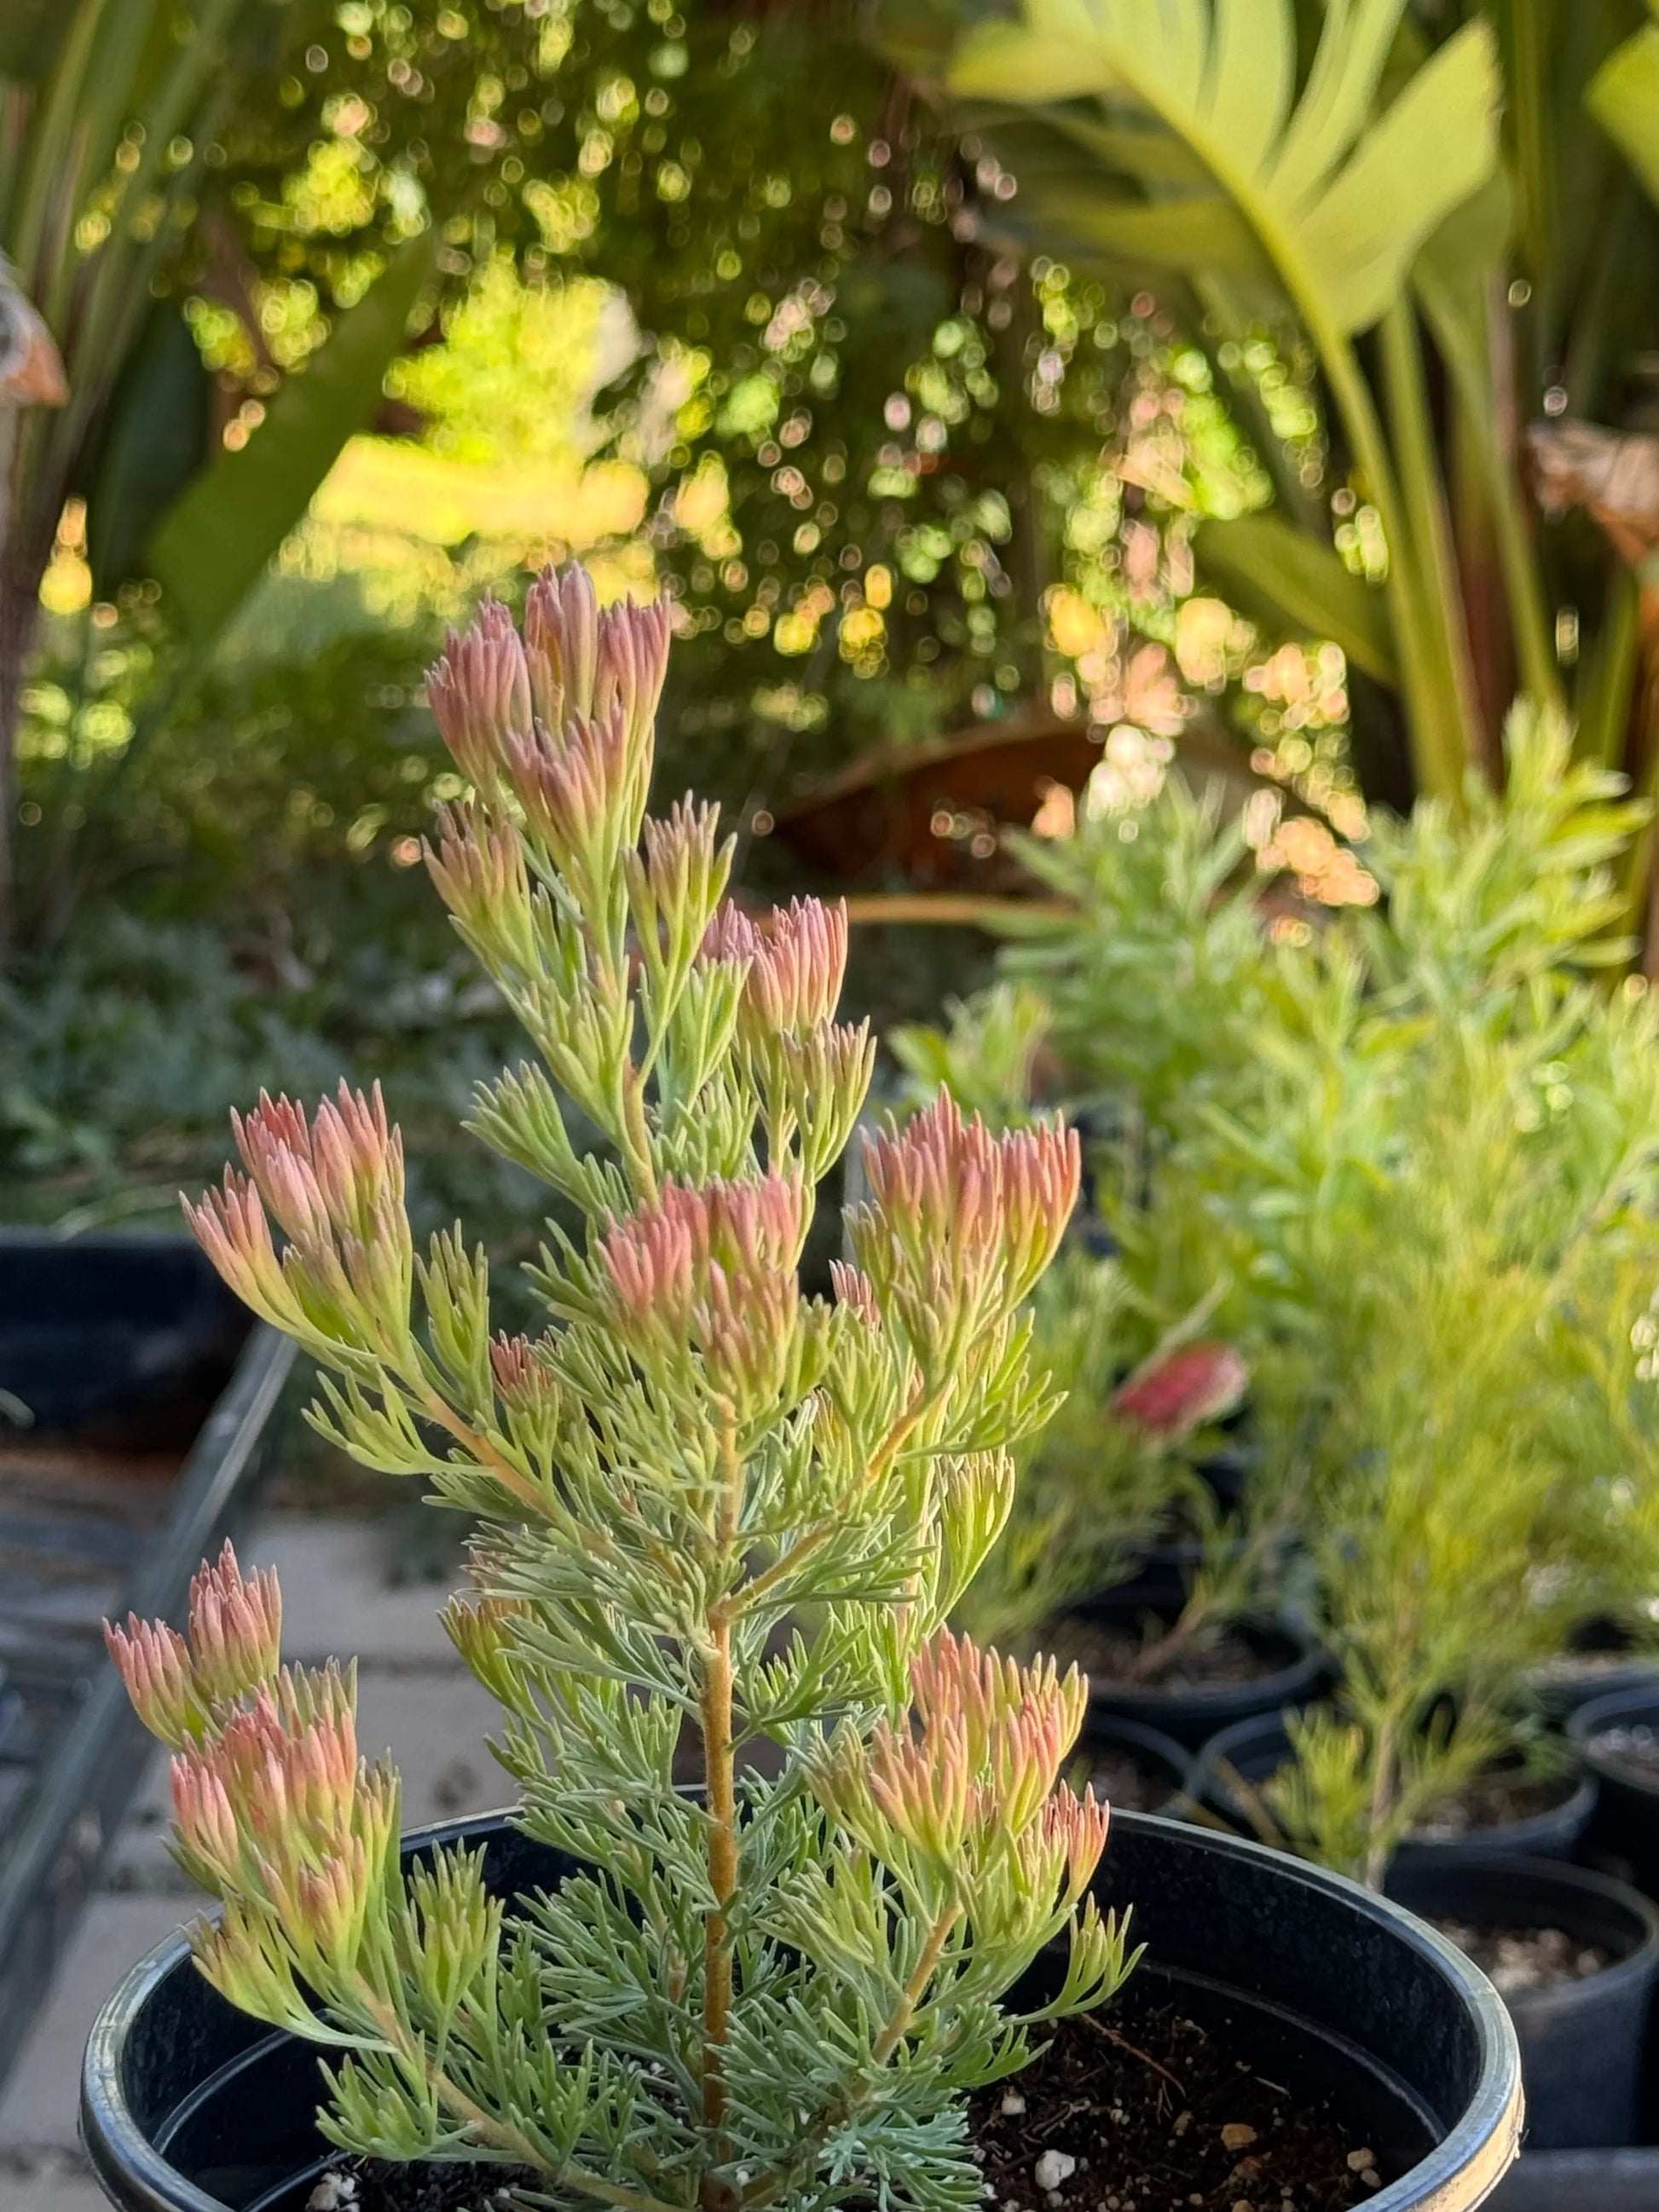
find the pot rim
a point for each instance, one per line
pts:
(1478, 1862)
(1579, 1800)
(1477, 2149)
(1589, 1719)
(1307, 1665)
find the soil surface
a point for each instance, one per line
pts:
(1166, 2119)
(1635, 1747)
(1115, 1655)
(373, 2185)
(1495, 1801)
(1517, 1959)
(1114, 1772)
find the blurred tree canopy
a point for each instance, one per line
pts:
(901, 482)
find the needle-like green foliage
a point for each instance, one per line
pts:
(1416, 1161)
(710, 1510)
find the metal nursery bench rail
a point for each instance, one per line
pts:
(112, 1338)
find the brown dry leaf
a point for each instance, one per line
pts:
(1614, 474)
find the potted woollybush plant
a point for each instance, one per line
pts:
(1116, 1551)
(715, 1518)
(1140, 1542)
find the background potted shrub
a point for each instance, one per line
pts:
(1116, 1553)
(1423, 1168)
(704, 1501)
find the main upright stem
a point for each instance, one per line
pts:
(719, 1777)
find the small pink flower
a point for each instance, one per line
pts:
(683, 859)
(153, 1664)
(973, 1780)
(652, 1255)
(336, 1176)
(961, 1224)
(582, 784)
(854, 1291)
(1061, 1849)
(335, 1187)
(208, 1834)
(1172, 1395)
(230, 1226)
(561, 642)
(924, 1790)
(713, 1265)
(1041, 1170)
(796, 958)
(935, 1180)
(326, 1903)
(1018, 1723)
(235, 1627)
(478, 867)
(289, 1768)
(523, 1382)
(479, 693)
(658, 1257)
(584, 659)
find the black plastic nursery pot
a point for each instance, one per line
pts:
(1581, 2041)
(1610, 1733)
(1601, 1661)
(1254, 1750)
(188, 2106)
(123, 1340)
(1160, 1769)
(1292, 1669)
(150, 1398)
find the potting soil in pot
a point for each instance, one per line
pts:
(1127, 1784)
(1106, 1655)
(1517, 1959)
(1494, 1801)
(374, 2186)
(1635, 1747)
(1155, 2115)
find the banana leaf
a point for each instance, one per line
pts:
(1291, 585)
(1624, 98)
(154, 443)
(214, 543)
(1334, 194)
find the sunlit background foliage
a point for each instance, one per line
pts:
(720, 302)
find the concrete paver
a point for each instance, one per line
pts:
(53, 2181)
(336, 1599)
(37, 2109)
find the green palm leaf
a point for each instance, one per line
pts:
(1292, 586)
(211, 546)
(1331, 192)
(1170, 134)
(1624, 98)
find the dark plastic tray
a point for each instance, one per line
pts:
(153, 1397)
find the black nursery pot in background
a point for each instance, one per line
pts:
(1290, 1668)
(1617, 1736)
(122, 1342)
(1600, 1662)
(1135, 1768)
(1581, 2041)
(1254, 1750)
(188, 2107)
